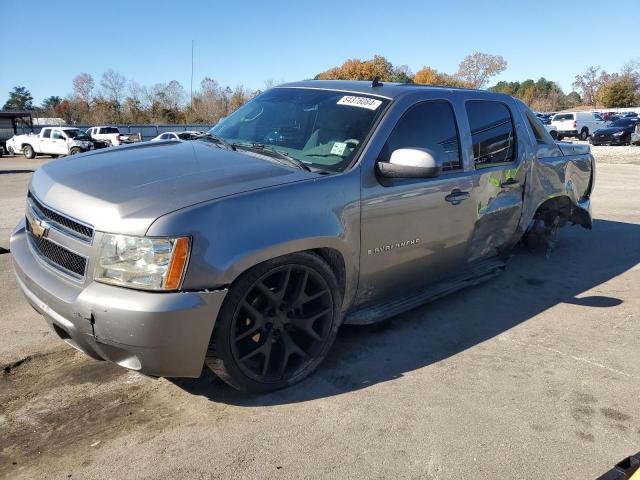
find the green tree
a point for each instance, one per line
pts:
(19, 99)
(50, 103)
(573, 99)
(618, 93)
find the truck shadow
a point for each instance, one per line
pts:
(367, 355)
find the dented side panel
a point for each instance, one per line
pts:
(568, 176)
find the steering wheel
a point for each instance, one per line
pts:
(352, 141)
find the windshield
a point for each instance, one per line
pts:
(77, 134)
(324, 129)
(623, 122)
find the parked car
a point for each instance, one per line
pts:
(187, 135)
(315, 204)
(635, 136)
(576, 124)
(617, 133)
(54, 141)
(111, 135)
(553, 131)
(631, 115)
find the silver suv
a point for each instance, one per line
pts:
(316, 203)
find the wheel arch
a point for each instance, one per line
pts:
(327, 249)
(563, 205)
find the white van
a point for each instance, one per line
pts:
(577, 124)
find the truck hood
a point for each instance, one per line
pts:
(124, 189)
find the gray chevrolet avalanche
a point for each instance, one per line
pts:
(315, 204)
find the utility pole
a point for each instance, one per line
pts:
(192, 75)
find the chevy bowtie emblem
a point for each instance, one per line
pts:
(38, 228)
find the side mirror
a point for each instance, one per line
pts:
(411, 163)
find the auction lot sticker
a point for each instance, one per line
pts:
(362, 102)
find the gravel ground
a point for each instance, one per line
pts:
(616, 154)
(535, 374)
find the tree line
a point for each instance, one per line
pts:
(116, 99)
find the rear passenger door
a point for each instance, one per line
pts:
(416, 231)
(499, 177)
(44, 142)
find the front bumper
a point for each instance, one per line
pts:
(159, 334)
(607, 139)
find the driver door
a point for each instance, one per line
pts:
(58, 144)
(416, 231)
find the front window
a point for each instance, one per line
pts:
(624, 123)
(324, 129)
(76, 134)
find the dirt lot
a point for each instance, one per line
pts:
(535, 374)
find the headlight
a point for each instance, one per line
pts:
(142, 262)
(617, 134)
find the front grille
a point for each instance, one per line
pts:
(59, 256)
(61, 219)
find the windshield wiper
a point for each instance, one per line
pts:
(288, 159)
(220, 140)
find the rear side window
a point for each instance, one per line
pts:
(429, 125)
(492, 133)
(563, 116)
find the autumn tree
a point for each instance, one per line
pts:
(588, 83)
(113, 87)
(83, 86)
(356, 69)
(19, 99)
(430, 76)
(478, 68)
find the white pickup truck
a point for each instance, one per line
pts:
(54, 141)
(108, 134)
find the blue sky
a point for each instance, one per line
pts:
(247, 42)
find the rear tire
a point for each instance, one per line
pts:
(276, 324)
(584, 134)
(28, 152)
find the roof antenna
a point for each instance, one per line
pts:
(376, 82)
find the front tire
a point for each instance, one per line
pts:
(277, 324)
(584, 134)
(75, 151)
(11, 151)
(553, 134)
(28, 152)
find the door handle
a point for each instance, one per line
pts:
(456, 196)
(509, 182)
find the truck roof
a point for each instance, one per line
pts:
(389, 90)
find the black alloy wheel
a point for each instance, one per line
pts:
(278, 325)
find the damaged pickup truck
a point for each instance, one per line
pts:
(315, 204)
